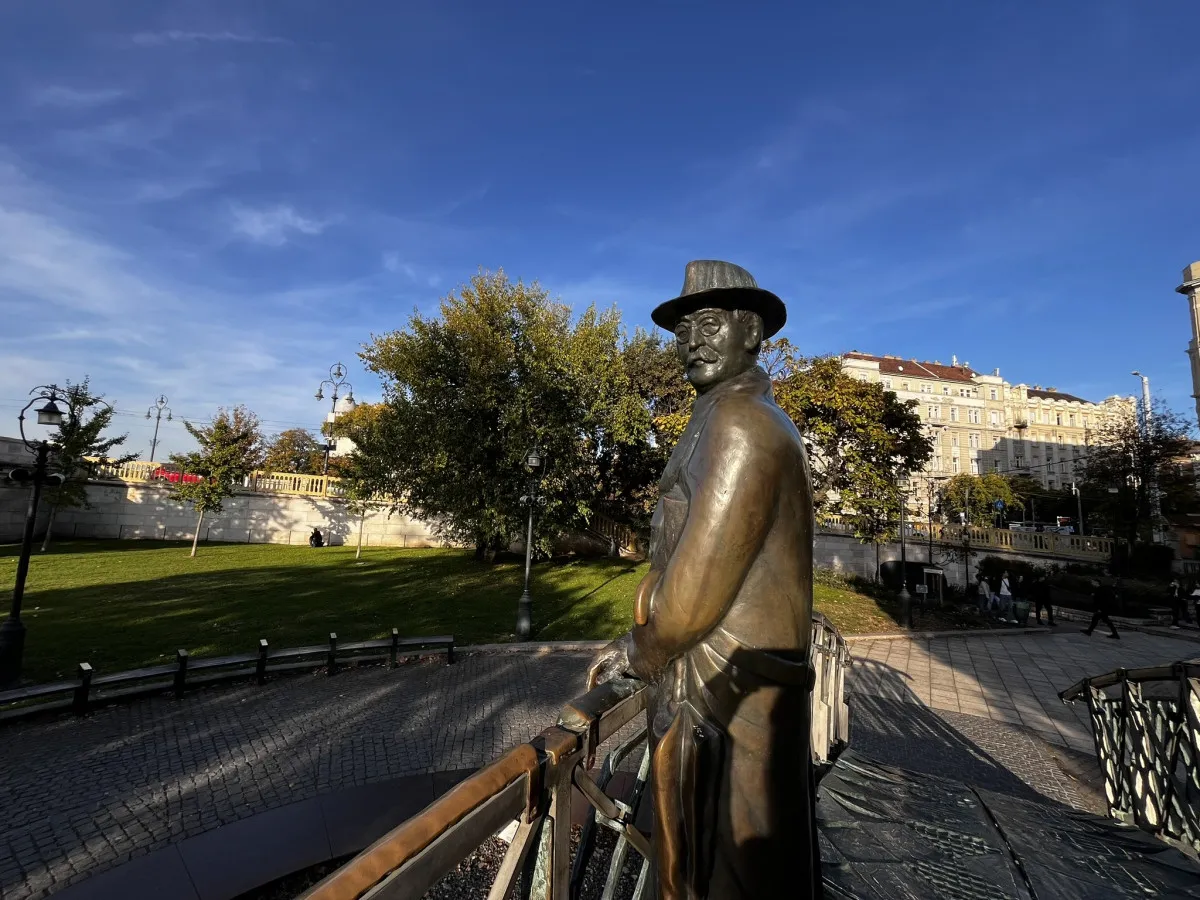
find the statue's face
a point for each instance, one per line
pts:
(714, 345)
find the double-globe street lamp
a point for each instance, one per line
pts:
(156, 410)
(336, 381)
(12, 630)
(535, 459)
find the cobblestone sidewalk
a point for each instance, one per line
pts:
(83, 795)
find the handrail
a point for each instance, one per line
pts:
(1076, 546)
(533, 785)
(1146, 728)
(186, 671)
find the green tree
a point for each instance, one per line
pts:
(295, 450)
(231, 447)
(976, 495)
(863, 441)
(79, 448)
(1127, 462)
(469, 392)
(360, 472)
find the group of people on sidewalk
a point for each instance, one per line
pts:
(1001, 600)
(1184, 592)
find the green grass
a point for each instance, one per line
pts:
(124, 604)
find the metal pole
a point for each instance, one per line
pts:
(12, 631)
(1079, 503)
(1155, 501)
(525, 604)
(154, 440)
(929, 511)
(904, 596)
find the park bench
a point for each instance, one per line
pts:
(185, 672)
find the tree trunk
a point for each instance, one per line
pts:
(196, 536)
(49, 526)
(876, 578)
(361, 522)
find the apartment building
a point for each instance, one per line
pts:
(981, 423)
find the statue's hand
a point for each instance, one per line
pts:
(611, 662)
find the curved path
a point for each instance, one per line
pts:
(83, 795)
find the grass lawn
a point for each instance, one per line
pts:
(124, 604)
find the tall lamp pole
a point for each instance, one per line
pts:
(904, 596)
(158, 408)
(336, 381)
(534, 460)
(1155, 505)
(12, 630)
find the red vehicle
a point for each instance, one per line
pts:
(164, 474)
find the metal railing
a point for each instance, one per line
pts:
(1146, 728)
(533, 784)
(1074, 546)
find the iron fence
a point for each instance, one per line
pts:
(1146, 727)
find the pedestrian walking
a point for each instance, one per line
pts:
(1178, 603)
(1104, 601)
(1040, 589)
(1195, 598)
(1006, 599)
(983, 592)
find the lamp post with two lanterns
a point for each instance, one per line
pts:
(535, 459)
(157, 409)
(336, 381)
(12, 630)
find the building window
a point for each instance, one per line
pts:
(974, 467)
(904, 385)
(995, 419)
(1058, 418)
(1072, 419)
(1051, 484)
(973, 440)
(954, 414)
(946, 390)
(1085, 421)
(992, 394)
(995, 465)
(954, 464)
(954, 440)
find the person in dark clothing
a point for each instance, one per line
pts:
(1104, 601)
(1040, 589)
(1178, 603)
(316, 539)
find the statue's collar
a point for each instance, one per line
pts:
(753, 380)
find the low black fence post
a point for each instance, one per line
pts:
(395, 646)
(80, 705)
(260, 668)
(181, 659)
(450, 653)
(331, 666)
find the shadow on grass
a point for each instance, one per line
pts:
(119, 613)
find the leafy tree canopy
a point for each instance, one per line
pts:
(469, 392)
(976, 495)
(231, 448)
(295, 450)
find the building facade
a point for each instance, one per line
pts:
(1191, 289)
(981, 423)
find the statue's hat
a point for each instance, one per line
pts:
(711, 282)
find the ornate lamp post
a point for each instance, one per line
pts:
(336, 381)
(157, 408)
(12, 631)
(534, 460)
(904, 596)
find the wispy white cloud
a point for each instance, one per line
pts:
(174, 36)
(75, 98)
(274, 225)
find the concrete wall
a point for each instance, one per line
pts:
(146, 511)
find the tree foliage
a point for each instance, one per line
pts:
(231, 448)
(295, 450)
(79, 447)
(976, 495)
(863, 441)
(1125, 461)
(469, 392)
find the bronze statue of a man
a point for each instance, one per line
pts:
(722, 621)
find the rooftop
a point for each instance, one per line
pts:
(1050, 394)
(894, 365)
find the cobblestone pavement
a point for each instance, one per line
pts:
(1013, 679)
(82, 795)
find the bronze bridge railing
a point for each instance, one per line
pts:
(1146, 726)
(532, 785)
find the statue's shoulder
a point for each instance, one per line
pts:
(755, 419)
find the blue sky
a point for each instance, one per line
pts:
(217, 200)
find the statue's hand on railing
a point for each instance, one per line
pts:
(611, 662)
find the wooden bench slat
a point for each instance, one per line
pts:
(294, 652)
(134, 675)
(217, 662)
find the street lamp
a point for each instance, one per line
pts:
(158, 408)
(534, 461)
(1155, 505)
(12, 630)
(904, 597)
(336, 381)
